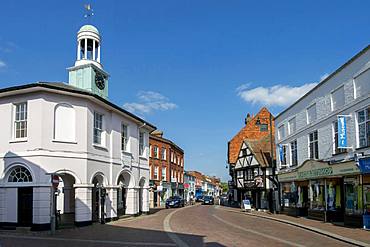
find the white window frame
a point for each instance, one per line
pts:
(156, 152)
(291, 152)
(141, 143)
(164, 173)
(307, 115)
(156, 170)
(124, 140)
(101, 129)
(367, 119)
(24, 120)
(280, 136)
(313, 143)
(293, 119)
(331, 98)
(163, 153)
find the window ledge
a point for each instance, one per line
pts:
(66, 142)
(18, 140)
(126, 153)
(97, 146)
(143, 158)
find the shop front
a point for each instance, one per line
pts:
(364, 164)
(322, 191)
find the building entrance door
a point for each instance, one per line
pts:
(25, 206)
(95, 204)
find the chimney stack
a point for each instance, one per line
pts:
(247, 119)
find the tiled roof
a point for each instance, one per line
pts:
(250, 131)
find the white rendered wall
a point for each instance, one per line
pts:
(321, 96)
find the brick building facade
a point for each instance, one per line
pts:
(166, 166)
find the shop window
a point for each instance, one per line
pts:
(333, 188)
(317, 195)
(353, 197)
(363, 120)
(366, 188)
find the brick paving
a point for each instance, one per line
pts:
(358, 234)
(194, 225)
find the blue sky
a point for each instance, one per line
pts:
(192, 68)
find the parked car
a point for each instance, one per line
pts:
(175, 202)
(199, 198)
(208, 200)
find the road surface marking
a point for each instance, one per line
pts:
(257, 233)
(88, 240)
(170, 233)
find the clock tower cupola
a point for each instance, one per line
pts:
(88, 73)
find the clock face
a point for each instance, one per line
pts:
(99, 80)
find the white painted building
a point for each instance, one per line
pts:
(317, 178)
(99, 151)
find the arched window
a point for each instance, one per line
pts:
(20, 174)
(64, 123)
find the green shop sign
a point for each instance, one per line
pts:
(317, 169)
(316, 173)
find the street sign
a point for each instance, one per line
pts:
(247, 204)
(55, 180)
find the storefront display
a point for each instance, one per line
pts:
(317, 195)
(366, 190)
(353, 197)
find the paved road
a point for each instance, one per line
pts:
(190, 226)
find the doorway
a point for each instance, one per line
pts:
(25, 206)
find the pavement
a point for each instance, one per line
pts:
(356, 236)
(198, 225)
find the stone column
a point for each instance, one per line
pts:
(111, 202)
(85, 55)
(145, 200)
(98, 52)
(79, 50)
(41, 207)
(94, 58)
(83, 204)
(132, 201)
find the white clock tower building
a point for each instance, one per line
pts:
(88, 73)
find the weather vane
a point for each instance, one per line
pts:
(89, 12)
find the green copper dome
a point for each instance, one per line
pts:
(89, 28)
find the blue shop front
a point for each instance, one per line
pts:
(364, 165)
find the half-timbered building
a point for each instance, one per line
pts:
(254, 172)
(250, 158)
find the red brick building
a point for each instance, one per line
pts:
(166, 166)
(251, 156)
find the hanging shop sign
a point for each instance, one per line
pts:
(315, 169)
(365, 165)
(342, 132)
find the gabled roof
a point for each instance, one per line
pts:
(60, 86)
(261, 149)
(249, 132)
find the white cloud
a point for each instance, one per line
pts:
(2, 64)
(150, 101)
(278, 95)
